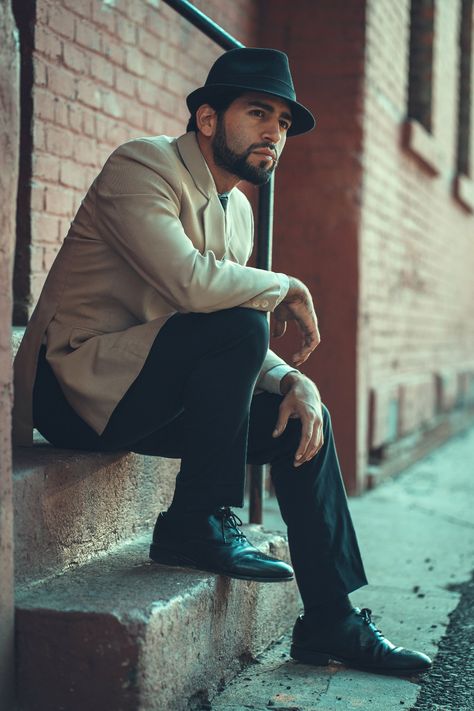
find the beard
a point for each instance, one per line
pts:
(237, 163)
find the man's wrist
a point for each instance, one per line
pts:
(288, 380)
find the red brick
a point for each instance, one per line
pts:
(126, 30)
(44, 228)
(72, 175)
(134, 61)
(76, 113)
(39, 69)
(148, 43)
(103, 15)
(61, 82)
(87, 35)
(88, 93)
(75, 58)
(157, 24)
(88, 124)
(59, 201)
(102, 126)
(147, 92)
(102, 69)
(85, 151)
(47, 43)
(125, 82)
(118, 133)
(136, 11)
(36, 259)
(45, 167)
(134, 114)
(83, 8)
(61, 21)
(37, 197)
(59, 141)
(61, 112)
(39, 137)
(112, 105)
(113, 51)
(43, 104)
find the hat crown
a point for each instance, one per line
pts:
(253, 66)
(254, 69)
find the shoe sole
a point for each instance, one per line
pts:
(162, 556)
(322, 659)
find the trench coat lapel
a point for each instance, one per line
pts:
(214, 221)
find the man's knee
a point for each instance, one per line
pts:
(250, 325)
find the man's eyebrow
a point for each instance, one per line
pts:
(268, 107)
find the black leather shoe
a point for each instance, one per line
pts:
(355, 641)
(216, 544)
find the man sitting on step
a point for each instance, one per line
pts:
(151, 336)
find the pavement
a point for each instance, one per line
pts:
(416, 533)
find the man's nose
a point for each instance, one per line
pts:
(272, 131)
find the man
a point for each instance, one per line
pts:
(151, 335)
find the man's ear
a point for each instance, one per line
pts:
(206, 118)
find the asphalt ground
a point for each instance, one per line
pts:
(450, 684)
(416, 533)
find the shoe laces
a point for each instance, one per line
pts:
(366, 615)
(230, 521)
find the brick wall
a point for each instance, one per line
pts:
(417, 241)
(9, 133)
(371, 223)
(369, 210)
(104, 73)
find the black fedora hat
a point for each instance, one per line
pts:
(254, 69)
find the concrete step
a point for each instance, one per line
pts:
(71, 505)
(124, 634)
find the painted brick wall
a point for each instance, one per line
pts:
(106, 72)
(417, 241)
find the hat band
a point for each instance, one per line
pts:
(261, 82)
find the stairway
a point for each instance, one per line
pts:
(100, 627)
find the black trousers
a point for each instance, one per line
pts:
(194, 400)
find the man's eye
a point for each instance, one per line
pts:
(257, 112)
(285, 125)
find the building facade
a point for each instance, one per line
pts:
(374, 210)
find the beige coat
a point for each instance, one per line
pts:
(149, 240)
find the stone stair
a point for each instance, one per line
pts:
(101, 628)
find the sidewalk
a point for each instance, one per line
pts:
(417, 538)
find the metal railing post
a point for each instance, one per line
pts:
(265, 213)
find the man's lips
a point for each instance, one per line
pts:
(265, 152)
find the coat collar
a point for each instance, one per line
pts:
(194, 161)
(219, 234)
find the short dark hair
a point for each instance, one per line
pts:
(220, 103)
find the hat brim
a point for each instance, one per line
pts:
(302, 120)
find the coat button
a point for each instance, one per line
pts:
(264, 304)
(256, 303)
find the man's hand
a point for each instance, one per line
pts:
(302, 400)
(298, 306)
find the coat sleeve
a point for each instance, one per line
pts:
(264, 380)
(137, 214)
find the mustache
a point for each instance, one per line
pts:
(265, 144)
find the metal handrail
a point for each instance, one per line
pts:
(265, 213)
